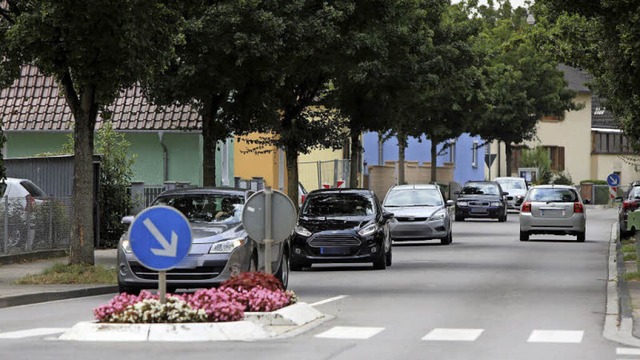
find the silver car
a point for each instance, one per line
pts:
(420, 213)
(553, 209)
(517, 189)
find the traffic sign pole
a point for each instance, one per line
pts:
(162, 286)
(268, 241)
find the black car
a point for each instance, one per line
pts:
(628, 203)
(339, 226)
(481, 199)
(220, 245)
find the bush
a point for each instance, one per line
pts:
(250, 279)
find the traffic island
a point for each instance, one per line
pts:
(288, 321)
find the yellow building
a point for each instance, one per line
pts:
(268, 163)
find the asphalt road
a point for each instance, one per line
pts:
(486, 296)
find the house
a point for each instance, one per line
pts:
(166, 140)
(586, 144)
(461, 160)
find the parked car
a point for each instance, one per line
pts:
(28, 194)
(481, 199)
(220, 246)
(628, 203)
(341, 226)
(419, 213)
(517, 189)
(302, 194)
(553, 209)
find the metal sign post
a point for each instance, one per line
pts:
(268, 239)
(162, 286)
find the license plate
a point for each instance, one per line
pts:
(478, 210)
(333, 251)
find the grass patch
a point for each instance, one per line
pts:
(632, 276)
(72, 274)
(630, 256)
(629, 248)
(631, 240)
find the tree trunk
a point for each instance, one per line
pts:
(354, 165)
(434, 161)
(210, 138)
(85, 112)
(402, 145)
(292, 176)
(508, 151)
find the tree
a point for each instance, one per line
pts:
(523, 84)
(227, 48)
(93, 50)
(601, 37)
(386, 42)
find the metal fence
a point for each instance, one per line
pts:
(26, 228)
(600, 194)
(314, 174)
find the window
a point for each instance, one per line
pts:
(474, 154)
(552, 118)
(610, 143)
(556, 155)
(452, 152)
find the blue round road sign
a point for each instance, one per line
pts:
(160, 237)
(613, 179)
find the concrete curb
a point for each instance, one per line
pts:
(286, 322)
(38, 255)
(26, 299)
(617, 327)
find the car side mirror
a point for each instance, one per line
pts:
(450, 202)
(387, 215)
(127, 219)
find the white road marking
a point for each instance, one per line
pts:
(31, 333)
(322, 302)
(627, 351)
(555, 336)
(453, 335)
(350, 332)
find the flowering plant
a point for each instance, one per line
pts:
(226, 303)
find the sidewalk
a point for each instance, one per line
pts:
(13, 295)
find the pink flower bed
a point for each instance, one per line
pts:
(226, 303)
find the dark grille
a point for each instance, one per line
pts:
(478, 203)
(199, 273)
(410, 218)
(328, 241)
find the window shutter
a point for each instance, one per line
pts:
(561, 158)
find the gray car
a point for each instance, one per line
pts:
(517, 189)
(420, 213)
(220, 246)
(553, 209)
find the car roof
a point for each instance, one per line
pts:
(480, 182)
(15, 180)
(205, 190)
(415, 186)
(509, 178)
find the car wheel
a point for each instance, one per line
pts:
(380, 262)
(447, 239)
(131, 290)
(297, 265)
(581, 237)
(524, 236)
(283, 271)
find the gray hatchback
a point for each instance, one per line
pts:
(420, 213)
(553, 209)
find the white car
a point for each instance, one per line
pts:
(517, 189)
(22, 190)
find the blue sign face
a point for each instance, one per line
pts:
(160, 237)
(613, 179)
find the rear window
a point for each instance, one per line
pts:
(553, 195)
(32, 188)
(414, 197)
(512, 184)
(338, 204)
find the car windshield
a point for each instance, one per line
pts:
(512, 184)
(553, 195)
(211, 208)
(634, 193)
(414, 197)
(339, 204)
(480, 189)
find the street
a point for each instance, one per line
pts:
(486, 296)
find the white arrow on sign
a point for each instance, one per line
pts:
(168, 249)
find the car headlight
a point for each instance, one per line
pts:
(302, 231)
(368, 230)
(126, 245)
(438, 215)
(496, 203)
(462, 203)
(226, 246)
